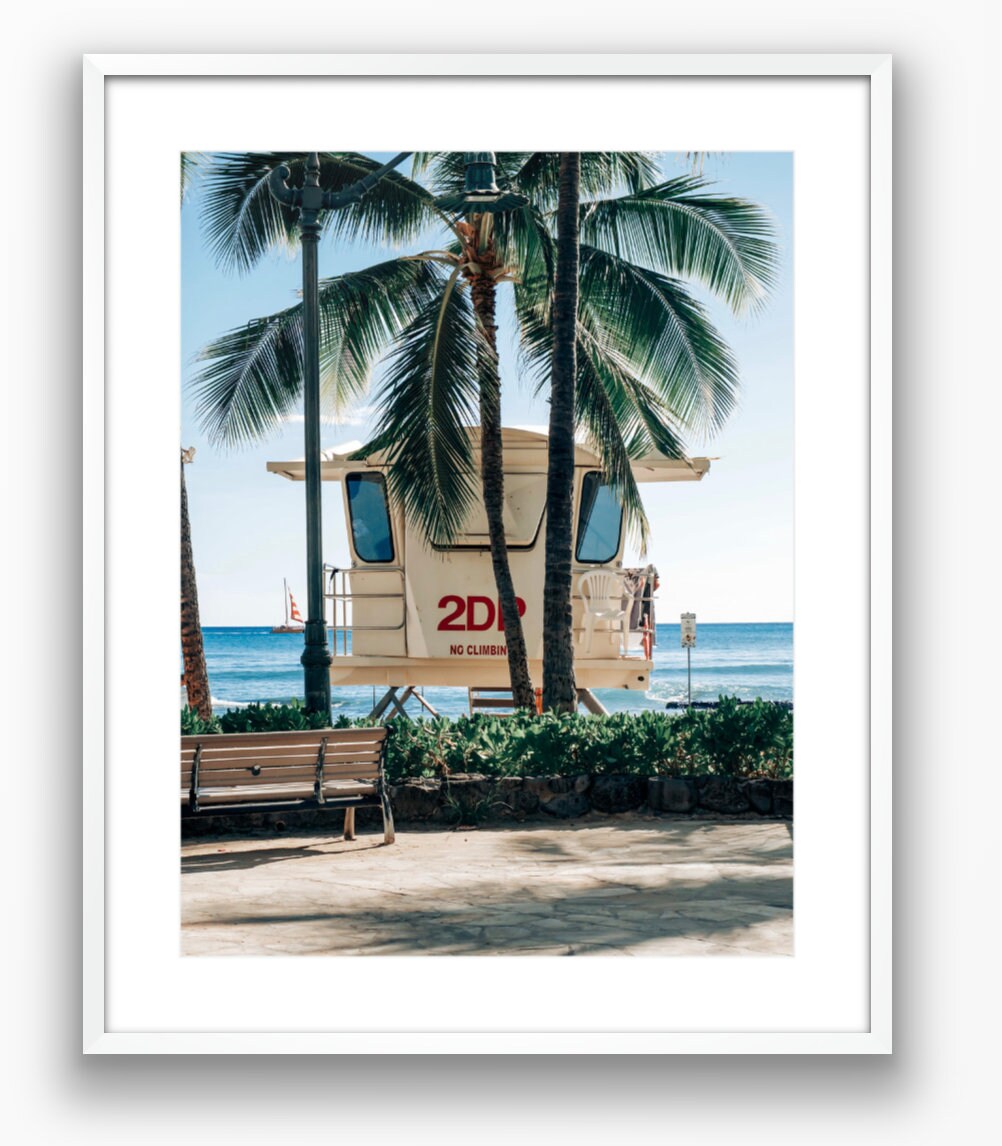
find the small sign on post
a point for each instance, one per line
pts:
(688, 630)
(689, 643)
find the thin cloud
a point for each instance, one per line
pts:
(357, 417)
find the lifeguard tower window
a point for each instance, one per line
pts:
(600, 522)
(370, 518)
(524, 503)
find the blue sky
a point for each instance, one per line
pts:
(724, 546)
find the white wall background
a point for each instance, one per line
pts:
(939, 1085)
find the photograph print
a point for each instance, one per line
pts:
(486, 486)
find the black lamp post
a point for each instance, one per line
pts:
(311, 200)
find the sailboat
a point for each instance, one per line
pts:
(291, 612)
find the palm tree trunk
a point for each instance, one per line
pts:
(492, 478)
(196, 675)
(559, 688)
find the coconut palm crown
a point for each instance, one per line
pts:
(651, 368)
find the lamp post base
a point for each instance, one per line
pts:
(316, 662)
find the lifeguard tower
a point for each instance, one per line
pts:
(409, 614)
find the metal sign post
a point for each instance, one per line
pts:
(689, 643)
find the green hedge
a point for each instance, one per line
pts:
(746, 740)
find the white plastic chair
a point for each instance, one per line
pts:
(602, 597)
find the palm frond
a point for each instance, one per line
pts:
(253, 375)
(602, 173)
(242, 220)
(726, 244)
(602, 410)
(420, 162)
(623, 416)
(655, 327)
(361, 314)
(192, 164)
(646, 422)
(535, 333)
(252, 379)
(429, 399)
(396, 210)
(525, 243)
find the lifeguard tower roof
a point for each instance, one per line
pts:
(522, 449)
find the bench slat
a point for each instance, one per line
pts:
(230, 763)
(259, 793)
(265, 739)
(276, 760)
(231, 776)
(231, 759)
(221, 744)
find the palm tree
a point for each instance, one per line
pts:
(649, 364)
(254, 373)
(484, 270)
(196, 676)
(668, 230)
(559, 689)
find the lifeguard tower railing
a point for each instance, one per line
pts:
(340, 599)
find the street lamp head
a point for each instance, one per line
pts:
(480, 173)
(481, 194)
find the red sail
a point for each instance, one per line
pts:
(294, 611)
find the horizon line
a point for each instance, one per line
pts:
(271, 624)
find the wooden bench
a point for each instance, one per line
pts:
(233, 774)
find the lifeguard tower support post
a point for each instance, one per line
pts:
(409, 614)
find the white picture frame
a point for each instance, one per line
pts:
(121, 197)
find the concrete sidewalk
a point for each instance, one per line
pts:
(626, 885)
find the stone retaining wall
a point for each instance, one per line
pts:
(474, 799)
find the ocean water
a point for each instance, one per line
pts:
(249, 665)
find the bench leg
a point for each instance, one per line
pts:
(389, 835)
(349, 823)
